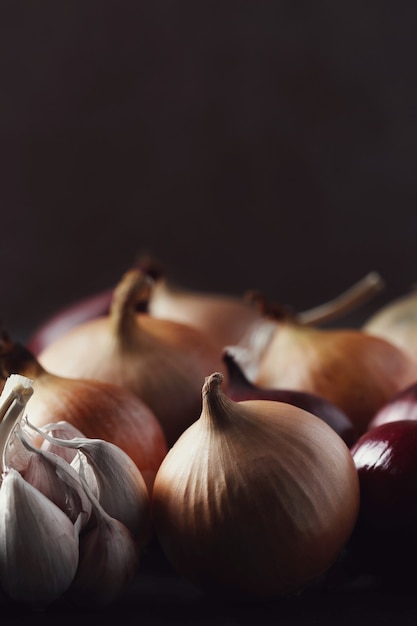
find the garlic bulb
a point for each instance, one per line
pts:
(56, 539)
(163, 362)
(257, 497)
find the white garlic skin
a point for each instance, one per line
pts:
(109, 560)
(39, 546)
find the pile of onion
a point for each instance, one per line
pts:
(163, 362)
(227, 318)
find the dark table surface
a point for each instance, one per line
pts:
(159, 596)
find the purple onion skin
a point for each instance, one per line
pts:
(68, 317)
(384, 542)
(240, 388)
(85, 309)
(403, 406)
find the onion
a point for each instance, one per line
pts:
(96, 408)
(256, 497)
(231, 319)
(227, 318)
(397, 322)
(384, 540)
(69, 316)
(241, 388)
(85, 309)
(355, 371)
(163, 362)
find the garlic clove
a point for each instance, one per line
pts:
(109, 560)
(120, 486)
(58, 481)
(39, 546)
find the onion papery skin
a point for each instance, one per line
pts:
(258, 501)
(357, 372)
(164, 363)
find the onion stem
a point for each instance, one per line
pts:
(349, 300)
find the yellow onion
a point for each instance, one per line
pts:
(97, 409)
(163, 362)
(225, 317)
(256, 497)
(355, 371)
(396, 322)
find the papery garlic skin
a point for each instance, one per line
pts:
(112, 477)
(121, 489)
(60, 483)
(257, 497)
(109, 559)
(39, 546)
(62, 430)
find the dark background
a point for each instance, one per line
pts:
(245, 144)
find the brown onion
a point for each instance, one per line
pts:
(241, 388)
(355, 371)
(96, 408)
(256, 497)
(397, 322)
(233, 320)
(163, 362)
